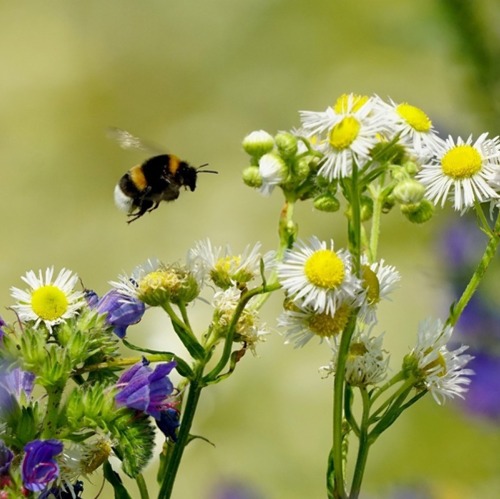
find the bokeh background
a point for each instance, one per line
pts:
(195, 77)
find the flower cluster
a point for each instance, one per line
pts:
(369, 155)
(67, 343)
(48, 442)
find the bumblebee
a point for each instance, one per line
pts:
(159, 178)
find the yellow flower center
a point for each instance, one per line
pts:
(344, 133)
(227, 263)
(325, 326)
(342, 103)
(357, 349)
(49, 302)
(439, 362)
(415, 117)
(325, 269)
(461, 162)
(371, 284)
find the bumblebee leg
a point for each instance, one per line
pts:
(154, 207)
(144, 207)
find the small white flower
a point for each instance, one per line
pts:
(317, 277)
(441, 371)
(462, 171)
(379, 281)
(129, 284)
(248, 329)
(223, 267)
(303, 325)
(366, 363)
(414, 127)
(48, 300)
(344, 134)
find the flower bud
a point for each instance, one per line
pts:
(252, 176)
(409, 191)
(302, 170)
(286, 144)
(327, 202)
(418, 213)
(258, 143)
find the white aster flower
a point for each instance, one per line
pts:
(317, 277)
(303, 325)
(414, 127)
(223, 267)
(462, 171)
(439, 370)
(379, 281)
(366, 363)
(345, 134)
(48, 300)
(129, 284)
(248, 329)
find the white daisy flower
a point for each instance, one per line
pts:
(303, 325)
(248, 329)
(129, 284)
(348, 132)
(223, 267)
(414, 127)
(462, 171)
(317, 277)
(48, 301)
(366, 363)
(379, 281)
(437, 369)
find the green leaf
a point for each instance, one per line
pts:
(114, 479)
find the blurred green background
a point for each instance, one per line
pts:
(196, 77)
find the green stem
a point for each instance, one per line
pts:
(184, 333)
(52, 413)
(478, 275)
(375, 228)
(228, 344)
(194, 392)
(338, 406)
(364, 446)
(143, 488)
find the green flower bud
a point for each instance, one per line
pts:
(302, 170)
(252, 176)
(418, 213)
(326, 202)
(411, 168)
(258, 143)
(286, 144)
(409, 191)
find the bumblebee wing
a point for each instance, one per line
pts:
(128, 141)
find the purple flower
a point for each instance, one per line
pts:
(39, 467)
(144, 389)
(169, 422)
(6, 457)
(122, 310)
(483, 397)
(66, 491)
(14, 385)
(2, 332)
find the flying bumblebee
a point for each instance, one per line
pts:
(157, 179)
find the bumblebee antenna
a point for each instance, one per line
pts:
(205, 171)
